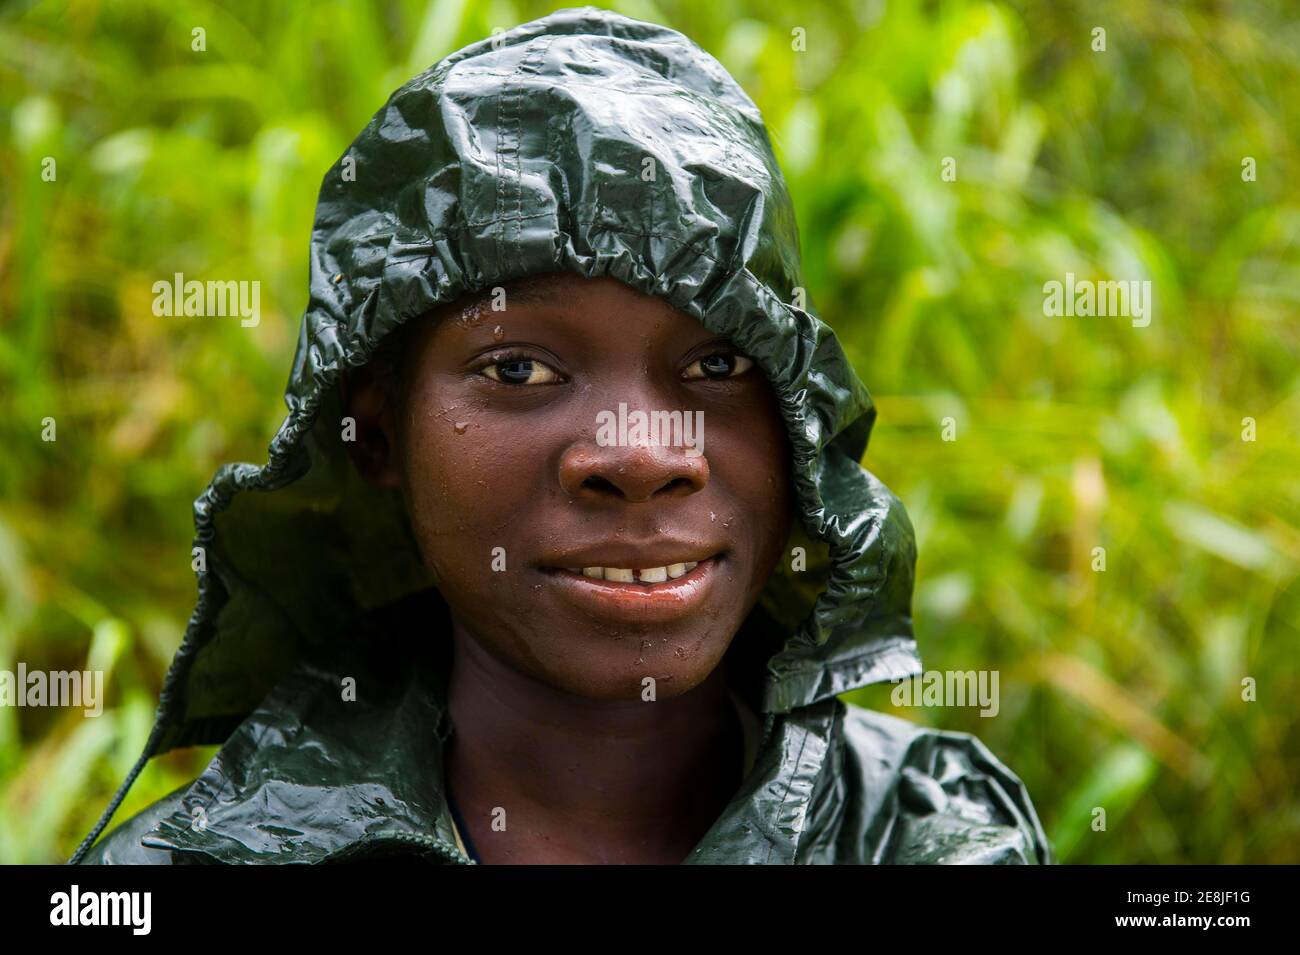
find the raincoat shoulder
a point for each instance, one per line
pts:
(916, 795)
(344, 752)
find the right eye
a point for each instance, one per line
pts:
(718, 366)
(520, 371)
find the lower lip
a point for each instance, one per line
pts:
(650, 603)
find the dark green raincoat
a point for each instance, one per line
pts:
(591, 143)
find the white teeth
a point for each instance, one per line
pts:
(646, 575)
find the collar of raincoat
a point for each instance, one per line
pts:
(522, 154)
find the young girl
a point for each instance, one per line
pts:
(563, 553)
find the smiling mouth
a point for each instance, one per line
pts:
(643, 594)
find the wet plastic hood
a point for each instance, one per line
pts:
(583, 142)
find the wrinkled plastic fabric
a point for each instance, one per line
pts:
(519, 155)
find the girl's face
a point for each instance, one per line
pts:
(565, 540)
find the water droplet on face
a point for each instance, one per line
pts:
(470, 316)
(461, 427)
(498, 333)
(712, 516)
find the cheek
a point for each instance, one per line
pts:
(468, 479)
(751, 460)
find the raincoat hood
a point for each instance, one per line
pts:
(583, 142)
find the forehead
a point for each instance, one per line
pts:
(572, 297)
(560, 287)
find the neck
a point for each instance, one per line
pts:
(581, 779)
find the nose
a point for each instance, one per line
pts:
(634, 474)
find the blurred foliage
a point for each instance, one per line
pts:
(1120, 689)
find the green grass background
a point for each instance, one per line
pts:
(1120, 689)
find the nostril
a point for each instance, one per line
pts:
(604, 486)
(600, 485)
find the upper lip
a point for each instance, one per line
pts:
(659, 552)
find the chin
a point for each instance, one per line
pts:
(620, 673)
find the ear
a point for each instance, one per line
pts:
(374, 451)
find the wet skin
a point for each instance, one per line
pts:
(490, 434)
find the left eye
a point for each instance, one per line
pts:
(521, 371)
(720, 365)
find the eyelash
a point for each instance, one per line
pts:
(742, 365)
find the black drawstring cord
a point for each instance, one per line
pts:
(117, 797)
